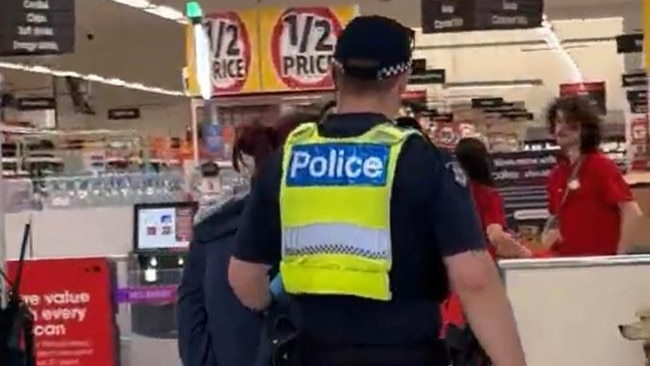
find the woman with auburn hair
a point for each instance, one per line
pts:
(214, 328)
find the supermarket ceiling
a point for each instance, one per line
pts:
(119, 41)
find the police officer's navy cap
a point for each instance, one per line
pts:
(374, 47)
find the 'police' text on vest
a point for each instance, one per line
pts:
(338, 164)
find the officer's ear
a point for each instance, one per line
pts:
(402, 82)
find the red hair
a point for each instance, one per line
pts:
(259, 140)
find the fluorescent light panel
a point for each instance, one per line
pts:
(91, 77)
(161, 11)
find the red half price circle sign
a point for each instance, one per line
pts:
(302, 45)
(230, 47)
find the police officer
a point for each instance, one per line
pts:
(371, 224)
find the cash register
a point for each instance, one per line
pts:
(161, 238)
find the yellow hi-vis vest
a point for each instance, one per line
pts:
(335, 211)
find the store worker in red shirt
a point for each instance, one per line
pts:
(591, 206)
(473, 157)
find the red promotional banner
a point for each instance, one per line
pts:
(72, 303)
(594, 91)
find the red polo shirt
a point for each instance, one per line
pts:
(489, 206)
(590, 219)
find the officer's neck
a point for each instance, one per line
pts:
(366, 105)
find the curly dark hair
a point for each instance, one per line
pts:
(580, 112)
(473, 157)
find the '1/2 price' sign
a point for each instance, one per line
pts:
(302, 46)
(231, 51)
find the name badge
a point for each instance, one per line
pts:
(338, 164)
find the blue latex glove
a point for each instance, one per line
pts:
(277, 290)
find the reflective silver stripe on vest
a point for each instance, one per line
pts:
(336, 239)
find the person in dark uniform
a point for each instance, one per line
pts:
(371, 224)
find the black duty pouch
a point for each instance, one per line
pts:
(282, 334)
(463, 347)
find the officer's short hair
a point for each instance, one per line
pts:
(361, 86)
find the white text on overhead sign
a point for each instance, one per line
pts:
(35, 46)
(36, 4)
(510, 5)
(35, 18)
(228, 62)
(35, 31)
(452, 23)
(509, 20)
(307, 46)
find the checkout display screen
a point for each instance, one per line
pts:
(164, 227)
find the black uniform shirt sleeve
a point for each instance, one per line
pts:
(448, 204)
(259, 236)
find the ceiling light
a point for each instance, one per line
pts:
(162, 11)
(91, 77)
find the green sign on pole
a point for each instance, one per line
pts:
(193, 10)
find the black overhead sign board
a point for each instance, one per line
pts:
(639, 78)
(489, 102)
(440, 16)
(508, 14)
(638, 100)
(35, 103)
(124, 113)
(629, 43)
(37, 27)
(435, 76)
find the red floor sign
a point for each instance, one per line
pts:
(73, 310)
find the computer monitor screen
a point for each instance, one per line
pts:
(163, 226)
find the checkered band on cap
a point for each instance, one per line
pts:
(384, 72)
(390, 71)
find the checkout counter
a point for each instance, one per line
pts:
(569, 310)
